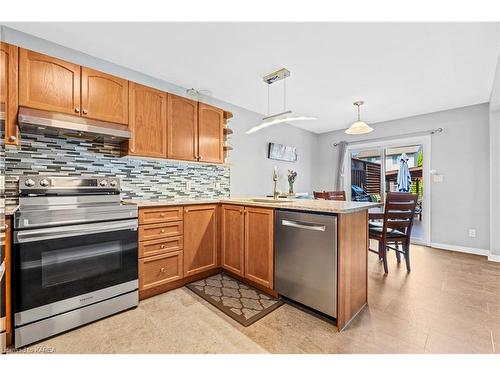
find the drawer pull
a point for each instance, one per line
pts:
(162, 270)
(162, 215)
(162, 230)
(162, 246)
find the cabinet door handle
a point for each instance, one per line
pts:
(12, 138)
(77, 109)
(85, 111)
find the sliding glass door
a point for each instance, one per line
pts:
(371, 171)
(367, 168)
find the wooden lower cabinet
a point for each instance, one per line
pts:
(233, 238)
(240, 239)
(162, 230)
(200, 238)
(160, 269)
(160, 246)
(247, 243)
(155, 215)
(259, 246)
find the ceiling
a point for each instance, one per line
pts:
(398, 69)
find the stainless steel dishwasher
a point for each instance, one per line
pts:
(306, 259)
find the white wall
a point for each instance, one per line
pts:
(460, 154)
(251, 171)
(494, 113)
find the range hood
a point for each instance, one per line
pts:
(45, 122)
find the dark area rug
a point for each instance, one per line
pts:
(240, 301)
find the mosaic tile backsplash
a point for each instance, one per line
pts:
(140, 178)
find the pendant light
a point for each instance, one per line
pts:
(285, 116)
(359, 127)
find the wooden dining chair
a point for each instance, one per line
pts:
(320, 195)
(395, 228)
(336, 195)
(330, 195)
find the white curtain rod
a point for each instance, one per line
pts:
(424, 132)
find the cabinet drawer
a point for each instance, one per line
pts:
(160, 269)
(159, 215)
(155, 247)
(157, 231)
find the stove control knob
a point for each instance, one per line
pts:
(103, 183)
(44, 182)
(29, 182)
(112, 184)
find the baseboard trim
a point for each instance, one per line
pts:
(461, 249)
(494, 258)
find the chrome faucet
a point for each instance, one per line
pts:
(275, 182)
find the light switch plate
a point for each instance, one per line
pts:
(437, 178)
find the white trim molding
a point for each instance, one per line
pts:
(494, 257)
(461, 249)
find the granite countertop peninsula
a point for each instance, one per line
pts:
(312, 205)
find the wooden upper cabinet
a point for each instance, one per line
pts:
(210, 133)
(200, 238)
(48, 83)
(233, 238)
(9, 91)
(259, 245)
(104, 97)
(182, 128)
(147, 121)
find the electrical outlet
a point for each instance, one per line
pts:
(472, 233)
(188, 185)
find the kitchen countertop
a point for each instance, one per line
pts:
(10, 209)
(170, 202)
(313, 205)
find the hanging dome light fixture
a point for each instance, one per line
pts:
(285, 116)
(359, 127)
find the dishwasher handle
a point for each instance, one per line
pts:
(303, 225)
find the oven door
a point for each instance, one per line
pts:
(63, 268)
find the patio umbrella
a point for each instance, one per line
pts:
(404, 177)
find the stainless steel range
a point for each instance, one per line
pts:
(74, 255)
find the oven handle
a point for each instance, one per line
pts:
(73, 230)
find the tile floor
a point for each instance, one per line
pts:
(450, 303)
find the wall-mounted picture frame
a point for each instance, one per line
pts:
(281, 152)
